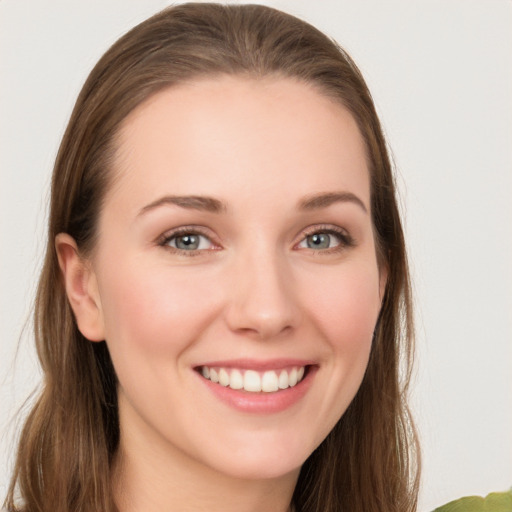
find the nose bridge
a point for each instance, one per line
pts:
(262, 299)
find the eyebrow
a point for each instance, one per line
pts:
(203, 203)
(324, 200)
(212, 205)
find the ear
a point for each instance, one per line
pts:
(81, 288)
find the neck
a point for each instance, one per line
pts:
(150, 476)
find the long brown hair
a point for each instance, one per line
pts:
(369, 462)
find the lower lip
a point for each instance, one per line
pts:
(262, 403)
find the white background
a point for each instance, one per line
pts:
(441, 76)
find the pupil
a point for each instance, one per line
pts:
(319, 240)
(187, 242)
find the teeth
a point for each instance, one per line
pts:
(283, 380)
(253, 381)
(292, 378)
(269, 382)
(236, 380)
(214, 376)
(223, 377)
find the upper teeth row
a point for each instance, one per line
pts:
(253, 381)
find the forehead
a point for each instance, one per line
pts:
(257, 135)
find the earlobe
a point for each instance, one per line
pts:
(81, 288)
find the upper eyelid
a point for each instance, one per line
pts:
(323, 227)
(318, 228)
(346, 239)
(186, 230)
(192, 229)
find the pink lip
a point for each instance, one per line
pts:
(260, 403)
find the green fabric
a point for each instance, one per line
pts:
(494, 502)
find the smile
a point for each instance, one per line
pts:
(269, 381)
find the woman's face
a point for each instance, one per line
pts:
(236, 245)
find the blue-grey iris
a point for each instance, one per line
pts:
(319, 241)
(187, 242)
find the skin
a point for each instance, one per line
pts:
(253, 289)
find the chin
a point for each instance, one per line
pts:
(257, 462)
(261, 469)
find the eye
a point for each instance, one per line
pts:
(187, 241)
(320, 241)
(325, 240)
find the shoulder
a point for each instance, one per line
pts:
(493, 502)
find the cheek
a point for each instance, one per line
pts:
(346, 308)
(156, 310)
(350, 313)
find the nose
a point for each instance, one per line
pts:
(262, 302)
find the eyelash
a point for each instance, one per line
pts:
(165, 239)
(345, 240)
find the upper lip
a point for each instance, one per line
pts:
(257, 364)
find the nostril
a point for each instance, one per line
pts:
(262, 303)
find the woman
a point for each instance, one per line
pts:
(225, 301)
